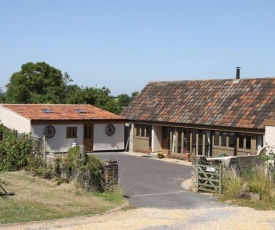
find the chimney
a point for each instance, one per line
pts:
(238, 71)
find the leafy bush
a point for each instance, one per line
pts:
(57, 168)
(14, 150)
(90, 176)
(71, 164)
(39, 168)
(72, 168)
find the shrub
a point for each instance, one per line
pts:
(57, 168)
(90, 176)
(14, 150)
(71, 164)
(72, 168)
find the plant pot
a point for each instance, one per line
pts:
(149, 150)
(188, 157)
(254, 196)
(161, 155)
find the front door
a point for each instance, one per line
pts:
(88, 137)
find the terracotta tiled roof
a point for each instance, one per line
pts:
(243, 103)
(61, 112)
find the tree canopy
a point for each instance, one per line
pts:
(2, 96)
(38, 83)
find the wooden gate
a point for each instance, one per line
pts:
(209, 178)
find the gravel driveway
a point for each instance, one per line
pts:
(229, 217)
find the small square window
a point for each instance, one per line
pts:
(71, 132)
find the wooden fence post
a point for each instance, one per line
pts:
(197, 172)
(220, 178)
(44, 149)
(83, 154)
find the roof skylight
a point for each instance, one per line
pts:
(80, 111)
(46, 111)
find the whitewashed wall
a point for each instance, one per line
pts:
(156, 138)
(131, 138)
(104, 142)
(270, 136)
(59, 142)
(13, 120)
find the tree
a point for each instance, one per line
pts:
(123, 100)
(134, 94)
(2, 96)
(74, 95)
(37, 83)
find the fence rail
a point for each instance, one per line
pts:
(209, 178)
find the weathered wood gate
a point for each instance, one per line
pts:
(209, 178)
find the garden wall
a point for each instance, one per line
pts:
(240, 164)
(108, 180)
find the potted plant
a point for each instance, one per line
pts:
(254, 192)
(160, 155)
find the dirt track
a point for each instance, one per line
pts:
(230, 217)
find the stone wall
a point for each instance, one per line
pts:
(110, 175)
(241, 164)
(107, 182)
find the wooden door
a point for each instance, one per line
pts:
(88, 137)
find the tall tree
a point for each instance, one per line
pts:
(37, 83)
(134, 94)
(123, 100)
(2, 97)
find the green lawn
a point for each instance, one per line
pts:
(37, 199)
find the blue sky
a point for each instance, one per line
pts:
(124, 44)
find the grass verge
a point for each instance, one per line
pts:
(38, 199)
(258, 205)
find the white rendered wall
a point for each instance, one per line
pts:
(59, 142)
(269, 136)
(104, 142)
(15, 121)
(156, 138)
(131, 138)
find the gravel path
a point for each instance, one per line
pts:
(230, 217)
